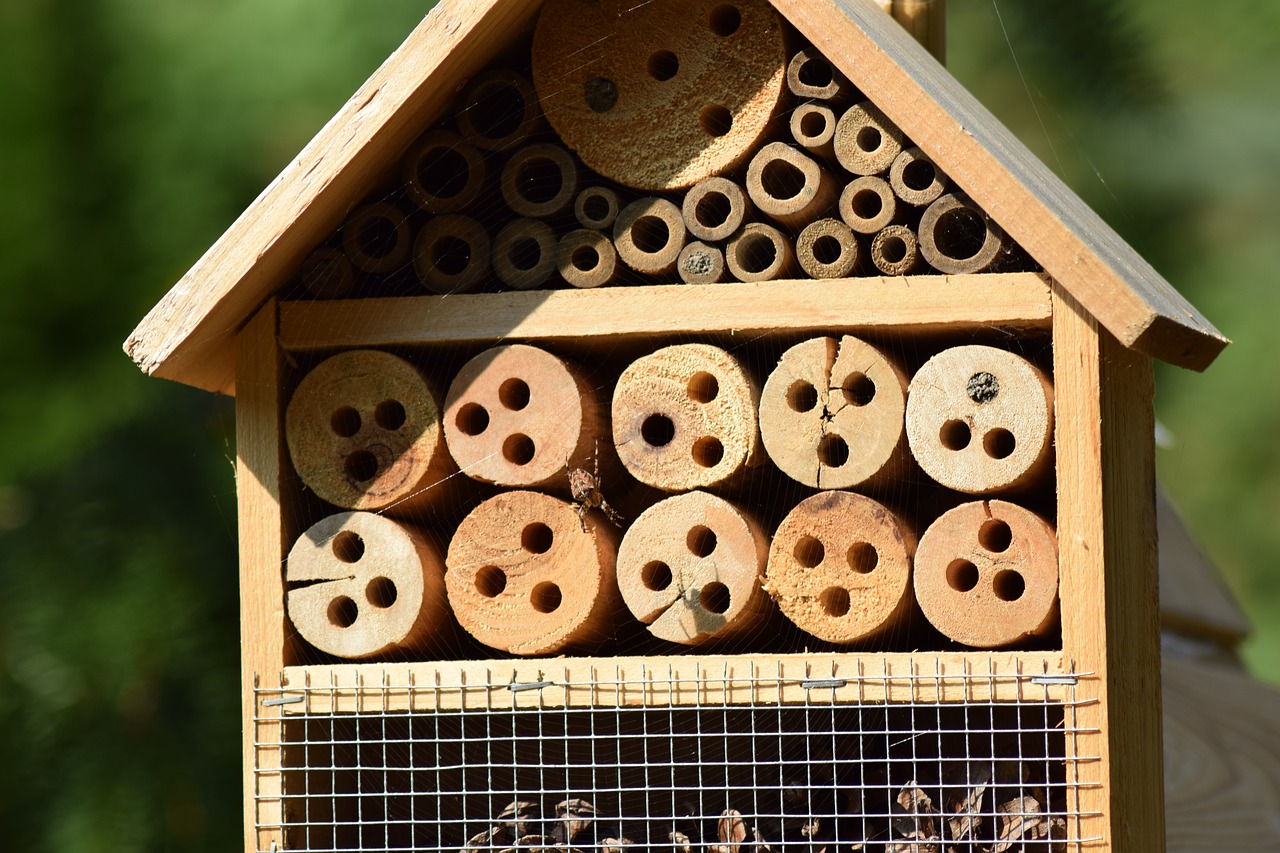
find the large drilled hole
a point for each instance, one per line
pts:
(869, 139)
(999, 443)
(863, 557)
(497, 112)
(514, 394)
(1009, 585)
(519, 449)
(345, 422)
(525, 254)
(347, 547)
(536, 538)
(714, 597)
(472, 419)
(708, 451)
(343, 612)
(827, 250)
(451, 255)
(813, 124)
(663, 65)
(919, 175)
(703, 387)
(893, 250)
(725, 20)
(995, 535)
(361, 466)
(833, 451)
(377, 237)
(802, 396)
(955, 435)
(381, 592)
(443, 172)
(491, 581)
(716, 120)
(960, 233)
(816, 72)
(656, 575)
(596, 208)
(809, 551)
(962, 575)
(782, 179)
(657, 430)
(539, 180)
(701, 540)
(835, 601)
(866, 204)
(584, 258)
(858, 389)
(546, 597)
(650, 234)
(756, 253)
(390, 415)
(713, 210)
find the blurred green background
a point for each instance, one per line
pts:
(134, 131)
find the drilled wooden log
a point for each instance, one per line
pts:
(831, 414)
(524, 254)
(524, 577)
(596, 208)
(684, 417)
(714, 209)
(700, 264)
(498, 110)
(689, 567)
(659, 95)
(517, 415)
(980, 420)
(986, 574)
(915, 179)
(327, 273)
(896, 251)
(866, 140)
(540, 181)
(452, 254)
(789, 186)
(957, 237)
(868, 205)
(443, 173)
(811, 76)
(813, 127)
(649, 234)
(361, 585)
(363, 430)
(760, 252)
(376, 238)
(586, 258)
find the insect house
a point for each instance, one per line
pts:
(686, 425)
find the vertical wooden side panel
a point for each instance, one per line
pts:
(1110, 606)
(259, 468)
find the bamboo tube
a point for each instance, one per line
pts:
(362, 586)
(498, 110)
(517, 415)
(658, 96)
(524, 254)
(363, 431)
(443, 173)
(866, 142)
(827, 249)
(896, 251)
(813, 127)
(539, 181)
(376, 238)
(689, 567)
(957, 237)
(596, 208)
(831, 414)
(524, 577)
(684, 417)
(452, 254)
(980, 420)
(789, 186)
(868, 205)
(811, 76)
(986, 574)
(926, 20)
(327, 273)
(759, 252)
(840, 567)
(915, 178)
(649, 234)
(586, 258)
(700, 264)
(714, 209)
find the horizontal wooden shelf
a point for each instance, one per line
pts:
(678, 680)
(1012, 301)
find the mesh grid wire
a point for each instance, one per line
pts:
(433, 767)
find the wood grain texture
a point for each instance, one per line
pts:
(1193, 598)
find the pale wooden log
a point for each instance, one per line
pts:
(1007, 301)
(760, 252)
(926, 20)
(896, 251)
(327, 273)
(363, 429)
(812, 77)
(715, 208)
(684, 417)
(366, 586)
(452, 254)
(868, 205)
(660, 95)
(700, 264)
(986, 574)
(840, 567)
(866, 140)
(586, 258)
(376, 238)
(498, 110)
(831, 414)
(443, 173)
(523, 576)
(596, 208)
(524, 254)
(915, 179)
(828, 249)
(980, 420)
(649, 234)
(539, 181)
(957, 237)
(690, 567)
(789, 186)
(517, 415)
(813, 127)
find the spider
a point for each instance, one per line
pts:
(585, 489)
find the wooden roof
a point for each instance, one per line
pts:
(188, 335)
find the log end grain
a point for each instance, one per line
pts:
(649, 234)
(760, 252)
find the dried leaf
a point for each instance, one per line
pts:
(574, 815)
(517, 818)
(680, 842)
(615, 845)
(731, 831)
(914, 813)
(1019, 817)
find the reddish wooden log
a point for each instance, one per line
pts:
(986, 574)
(327, 273)
(896, 251)
(840, 567)
(980, 420)
(498, 110)
(443, 173)
(811, 76)
(689, 567)
(789, 186)
(866, 140)
(376, 238)
(524, 577)
(452, 254)
(649, 234)
(714, 209)
(524, 254)
(596, 208)
(868, 205)
(363, 430)
(760, 252)
(362, 586)
(828, 249)
(813, 127)
(915, 179)
(540, 181)
(586, 259)
(957, 237)
(700, 264)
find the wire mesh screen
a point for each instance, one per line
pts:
(816, 775)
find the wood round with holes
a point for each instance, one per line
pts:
(498, 110)
(789, 186)
(986, 574)
(452, 254)
(840, 567)
(896, 251)
(524, 254)
(813, 127)
(831, 414)
(684, 417)
(980, 419)
(649, 234)
(690, 567)
(659, 95)
(828, 249)
(517, 415)
(363, 430)
(326, 273)
(915, 178)
(957, 237)
(596, 208)
(523, 577)
(539, 180)
(586, 258)
(866, 142)
(760, 252)
(361, 585)
(714, 209)
(700, 264)
(376, 238)
(443, 173)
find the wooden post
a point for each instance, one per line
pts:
(926, 20)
